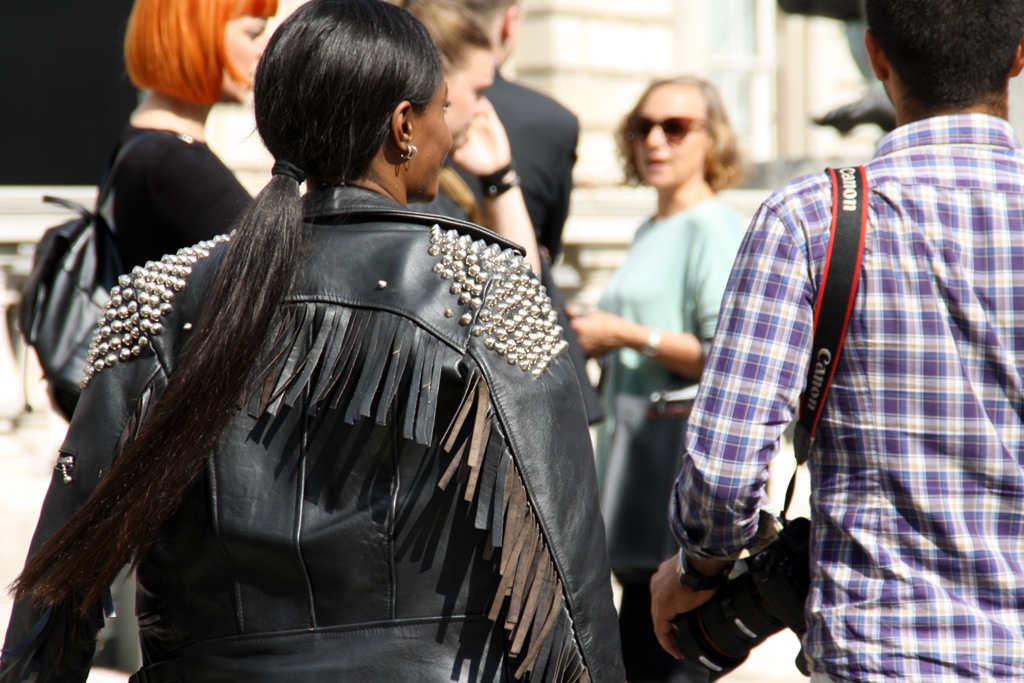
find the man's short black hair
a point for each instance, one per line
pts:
(949, 53)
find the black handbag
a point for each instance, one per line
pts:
(644, 460)
(75, 266)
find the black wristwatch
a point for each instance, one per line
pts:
(500, 182)
(694, 580)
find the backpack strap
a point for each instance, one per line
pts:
(835, 302)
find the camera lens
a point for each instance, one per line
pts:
(754, 605)
(721, 633)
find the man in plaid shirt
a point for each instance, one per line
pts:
(917, 540)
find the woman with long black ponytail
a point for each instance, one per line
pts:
(327, 443)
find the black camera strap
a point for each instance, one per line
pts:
(835, 302)
(779, 571)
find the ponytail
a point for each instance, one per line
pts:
(115, 525)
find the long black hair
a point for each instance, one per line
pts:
(325, 90)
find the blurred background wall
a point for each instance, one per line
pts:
(62, 84)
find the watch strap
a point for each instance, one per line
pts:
(694, 580)
(500, 182)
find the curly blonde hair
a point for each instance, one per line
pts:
(722, 168)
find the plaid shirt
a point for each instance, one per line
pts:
(918, 469)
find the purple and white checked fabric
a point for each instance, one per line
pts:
(918, 471)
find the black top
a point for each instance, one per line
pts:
(170, 192)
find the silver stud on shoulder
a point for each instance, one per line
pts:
(137, 305)
(66, 466)
(515, 317)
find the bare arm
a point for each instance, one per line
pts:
(600, 332)
(485, 151)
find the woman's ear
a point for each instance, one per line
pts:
(402, 126)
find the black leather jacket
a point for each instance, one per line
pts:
(410, 495)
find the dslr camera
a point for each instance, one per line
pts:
(750, 606)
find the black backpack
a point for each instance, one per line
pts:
(75, 266)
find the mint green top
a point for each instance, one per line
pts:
(672, 281)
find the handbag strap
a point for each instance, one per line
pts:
(106, 184)
(835, 302)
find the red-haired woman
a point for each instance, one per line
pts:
(171, 190)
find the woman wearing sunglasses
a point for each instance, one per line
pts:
(658, 314)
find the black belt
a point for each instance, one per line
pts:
(170, 671)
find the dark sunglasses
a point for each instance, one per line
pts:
(675, 128)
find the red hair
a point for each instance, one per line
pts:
(176, 47)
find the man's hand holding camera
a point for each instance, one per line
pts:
(672, 594)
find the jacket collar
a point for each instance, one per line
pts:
(345, 204)
(343, 199)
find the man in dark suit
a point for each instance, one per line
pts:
(543, 135)
(541, 132)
